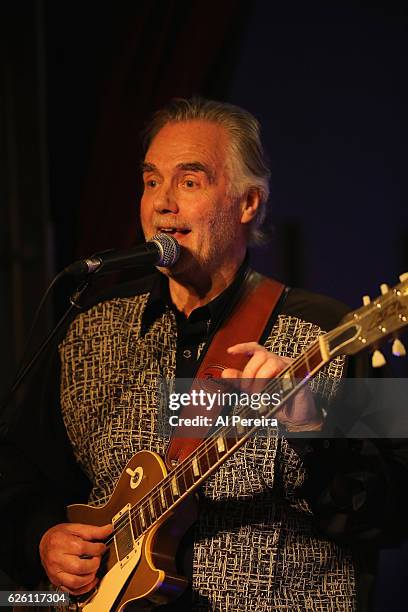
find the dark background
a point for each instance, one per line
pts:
(327, 80)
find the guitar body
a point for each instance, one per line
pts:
(147, 576)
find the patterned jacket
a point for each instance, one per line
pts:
(258, 542)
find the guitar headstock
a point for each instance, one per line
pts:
(372, 323)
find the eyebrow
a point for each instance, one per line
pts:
(147, 167)
(187, 166)
(198, 167)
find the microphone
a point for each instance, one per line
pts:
(161, 250)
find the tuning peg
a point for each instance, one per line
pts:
(398, 349)
(403, 277)
(384, 288)
(378, 359)
(366, 300)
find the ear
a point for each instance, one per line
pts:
(250, 205)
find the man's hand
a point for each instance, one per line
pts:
(70, 556)
(297, 414)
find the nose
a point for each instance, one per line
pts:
(165, 201)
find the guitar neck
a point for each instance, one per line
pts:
(224, 442)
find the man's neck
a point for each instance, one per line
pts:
(189, 295)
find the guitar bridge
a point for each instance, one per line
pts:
(124, 537)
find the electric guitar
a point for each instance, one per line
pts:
(151, 508)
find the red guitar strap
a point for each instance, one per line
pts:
(246, 323)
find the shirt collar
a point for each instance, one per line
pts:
(159, 300)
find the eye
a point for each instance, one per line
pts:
(151, 183)
(190, 183)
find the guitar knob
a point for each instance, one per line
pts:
(384, 288)
(398, 349)
(366, 300)
(403, 277)
(378, 359)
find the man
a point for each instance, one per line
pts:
(257, 543)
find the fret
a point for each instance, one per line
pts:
(231, 440)
(162, 498)
(147, 514)
(152, 509)
(203, 462)
(188, 477)
(315, 358)
(156, 502)
(174, 487)
(196, 467)
(216, 452)
(301, 371)
(220, 444)
(181, 482)
(212, 454)
(168, 493)
(137, 524)
(286, 383)
(158, 506)
(142, 518)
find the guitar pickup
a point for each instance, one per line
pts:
(124, 537)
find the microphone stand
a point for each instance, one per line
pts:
(75, 305)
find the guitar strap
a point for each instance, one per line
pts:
(246, 323)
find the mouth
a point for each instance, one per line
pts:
(174, 231)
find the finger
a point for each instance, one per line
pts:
(300, 412)
(64, 541)
(233, 378)
(78, 546)
(270, 369)
(76, 585)
(304, 405)
(249, 381)
(253, 365)
(79, 567)
(90, 532)
(231, 373)
(59, 563)
(245, 347)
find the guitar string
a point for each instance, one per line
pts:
(186, 465)
(210, 444)
(154, 494)
(180, 471)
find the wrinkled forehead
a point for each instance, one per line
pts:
(190, 142)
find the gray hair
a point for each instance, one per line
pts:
(248, 164)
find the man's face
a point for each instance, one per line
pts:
(186, 188)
